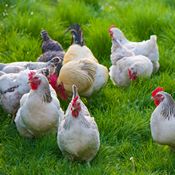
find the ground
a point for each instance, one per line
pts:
(122, 114)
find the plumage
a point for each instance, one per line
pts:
(49, 55)
(148, 48)
(12, 87)
(78, 135)
(162, 121)
(78, 50)
(39, 110)
(49, 44)
(87, 75)
(15, 67)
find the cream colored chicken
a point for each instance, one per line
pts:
(148, 48)
(78, 50)
(78, 135)
(87, 75)
(128, 68)
(163, 118)
(39, 110)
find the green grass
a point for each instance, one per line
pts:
(122, 114)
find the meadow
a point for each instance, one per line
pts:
(122, 114)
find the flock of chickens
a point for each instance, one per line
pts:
(29, 90)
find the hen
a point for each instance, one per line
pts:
(49, 44)
(128, 67)
(16, 67)
(13, 86)
(148, 48)
(78, 135)
(78, 50)
(163, 118)
(87, 75)
(39, 110)
(50, 48)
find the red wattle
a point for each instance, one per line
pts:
(33, 86)
(53, 81)
(156, 102)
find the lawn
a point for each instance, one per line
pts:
(122, 114)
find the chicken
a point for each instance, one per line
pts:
(49, 55)
(127, 68)
(87, 75)
(16, 67)
(49, 44)
(119, 51)
(78, 135)
(78, 50)
(39, 110)
(13, 86)
(163, 118)
(148, 48)
(50, 48)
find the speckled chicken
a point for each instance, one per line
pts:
(78, 135)
(87, 75)
(50, 48)
(78, 50)
(148, 48)
(39, 110)
(163, 118)
(49, 44)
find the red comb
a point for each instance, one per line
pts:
(74, 101)
(158, 89)
(31, 74)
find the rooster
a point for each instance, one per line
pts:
(87, 75)
(128, 67)
(147, 48)
(163, 118)
(78, 50)
(78, 135)
(39, 110)
(50, 48)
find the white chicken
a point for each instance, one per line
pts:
(39, 110)
(78, 50)
(148, 48)
(78, 135)
(87, 75)
(13, 86)
(16, 67)
(163, 118)
(127, 67)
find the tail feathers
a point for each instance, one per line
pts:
(77, 34)
(153, 39)
(44, 35)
